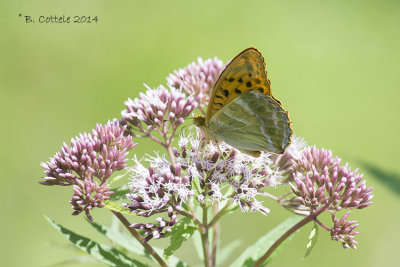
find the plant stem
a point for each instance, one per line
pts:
(181, 212)
(322, 225)
(215, 239)
(205, 241)
(155, 139)
(293, 229)
(171, 155)
(219, 214)
(271, 196)
(191, 210)
(139, 238)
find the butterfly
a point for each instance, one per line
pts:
(242, 111)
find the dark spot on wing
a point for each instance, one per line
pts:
(240, 80)
(258, 81)
(231, 79)
(248, 84)
(237, 91)
(224, 92)
(218, 96)
(261, 90)
(216, 103)
(249, 74)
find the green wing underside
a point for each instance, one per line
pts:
(253, 121)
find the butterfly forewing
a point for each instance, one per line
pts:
(254, 122)
(244, 73)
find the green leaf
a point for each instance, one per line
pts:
(254, 252)
(117, 207)
(105, 254)
(117, 178)
(226, 251)
(119, 193)
(181, 231)
(230, 209)
(130, 243)
(312, 240)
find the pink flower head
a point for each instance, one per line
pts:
(320, 180)
(343, 231)
(95, 155)
(197, 78)
(158, 109)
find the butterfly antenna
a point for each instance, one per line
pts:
(185, 127)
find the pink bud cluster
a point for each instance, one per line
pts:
(88, 195)
(160, 229)
(197, 79)
(95, 155)
(158, 109)
(321, 184)
(343, 231)
(320, 180)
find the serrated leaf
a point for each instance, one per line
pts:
(312, 240)
(254, 252)
(105, 254)
(181, 231)
(130, 243)
(117, 207)
(119, 193)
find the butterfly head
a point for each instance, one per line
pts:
(199, 121)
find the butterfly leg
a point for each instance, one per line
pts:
(221, 154)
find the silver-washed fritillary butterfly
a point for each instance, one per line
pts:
(242, 111)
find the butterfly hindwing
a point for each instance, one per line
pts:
(253, 122)
(244, 73)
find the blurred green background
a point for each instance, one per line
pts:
(335, 65)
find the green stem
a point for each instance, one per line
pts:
(215, 239)
(293, 229)
(184, 213)
(139, 238)
(204, 240)
(171, 155)
(219, 214)
(155, 139)
(322, 225)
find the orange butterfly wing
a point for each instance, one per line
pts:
(244, 73)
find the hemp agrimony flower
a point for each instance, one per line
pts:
(201, 173)
(320, 184)
(320, 180)
(196, 181)
(88, 163)
(160, 110)
(197, 79)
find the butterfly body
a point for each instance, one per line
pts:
(242, 111)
